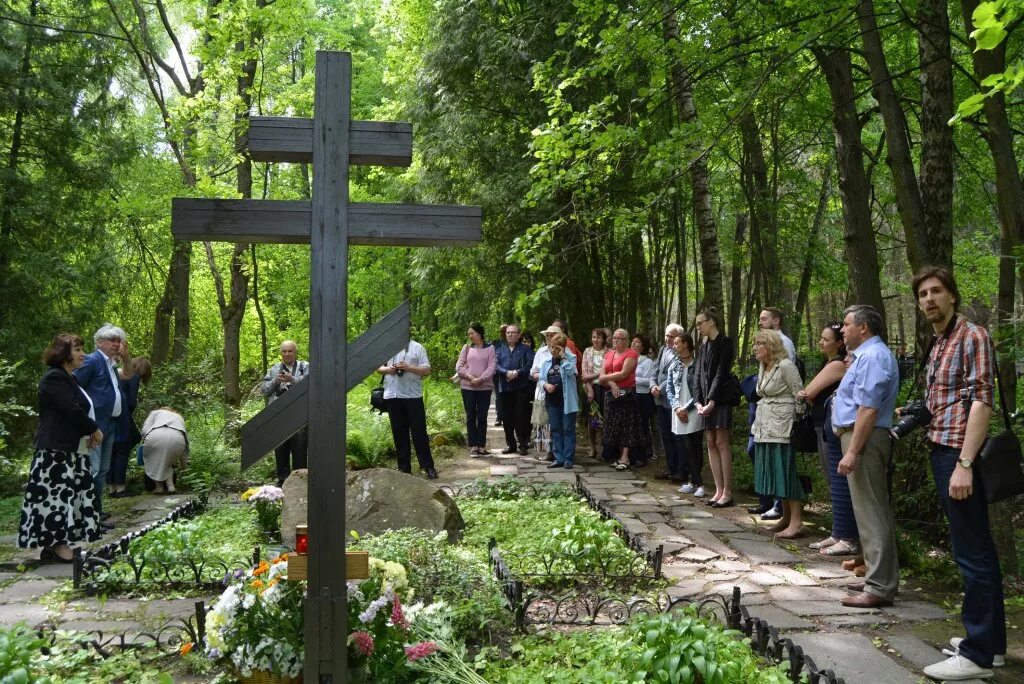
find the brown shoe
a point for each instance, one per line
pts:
(865, 600)
(851, 563)
(855, 586)
(860, 570)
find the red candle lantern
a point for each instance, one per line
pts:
(301, 540)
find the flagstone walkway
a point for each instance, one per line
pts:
(793, 588)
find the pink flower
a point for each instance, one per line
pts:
(364, 642)
(420, 650)
(397, 616)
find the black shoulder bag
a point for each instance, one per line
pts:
(999, 463)
(377, 402)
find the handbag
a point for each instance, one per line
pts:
(377, 402)
(804, 436)
(1000, 464)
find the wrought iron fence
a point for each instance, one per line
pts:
(635, 542)
(133, 572)
(112, 568)
(166, 638)
(586, 607)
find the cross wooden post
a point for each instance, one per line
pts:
(331, 141)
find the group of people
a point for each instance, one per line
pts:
(688, 393)
(85, 440)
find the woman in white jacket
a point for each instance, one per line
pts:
(775, 469)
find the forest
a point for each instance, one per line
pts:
(634, 162)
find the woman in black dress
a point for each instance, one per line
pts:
(59, 503)
(716, 397)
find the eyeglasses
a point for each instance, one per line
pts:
(619, 337)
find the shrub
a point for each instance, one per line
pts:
(18, 645)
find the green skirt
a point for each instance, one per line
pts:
(775, 471)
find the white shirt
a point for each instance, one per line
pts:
(542, 354)
(788, 344)
(409, 385)
(694, 421)
(83, 444)
(117, 387)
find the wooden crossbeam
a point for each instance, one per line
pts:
(287, 139)
(288, 221)
(289, 413)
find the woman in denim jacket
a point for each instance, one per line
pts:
(558, 380)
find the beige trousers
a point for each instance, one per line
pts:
(869, 489)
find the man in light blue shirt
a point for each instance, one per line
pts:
(861, 417)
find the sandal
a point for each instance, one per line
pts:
(792, 535)
(824, 543)
(621, 466)
(842, 548)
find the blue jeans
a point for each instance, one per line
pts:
(675, 461)
(476, 403)
(974, 551)
(99, 463)
(563, 434)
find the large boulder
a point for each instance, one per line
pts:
(377, 500)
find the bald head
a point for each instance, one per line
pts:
(289, 350)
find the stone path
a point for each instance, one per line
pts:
(793, 588)
(37, 594)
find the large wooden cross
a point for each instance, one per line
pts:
(330, 223)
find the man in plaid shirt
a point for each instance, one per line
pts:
(960, 398)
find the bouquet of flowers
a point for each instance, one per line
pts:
(267, 500)
(256, 624)
(381, 642)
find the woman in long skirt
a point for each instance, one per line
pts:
(60, 499)
(621, 412)
(775, 474)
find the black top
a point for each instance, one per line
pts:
(818, 406)
(63, 412)
(714, 360)
(554, 378)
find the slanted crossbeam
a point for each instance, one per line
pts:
(288, 221)
(289, 413)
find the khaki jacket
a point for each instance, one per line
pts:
(777, 407)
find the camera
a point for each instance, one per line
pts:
(912, 416)
(399, 372)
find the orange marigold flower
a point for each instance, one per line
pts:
(187, 648)
(262, 568)
(257, 584)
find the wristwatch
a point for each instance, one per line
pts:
(966, 462)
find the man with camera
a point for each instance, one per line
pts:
(403, 392)
(957, 410)
(862, 410)
(280, 378)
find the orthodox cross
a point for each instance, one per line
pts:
(331, 140)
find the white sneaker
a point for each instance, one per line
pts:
(700, 494)
(956, 668)
(998, 660)
(685, 489)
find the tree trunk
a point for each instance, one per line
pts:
(700, 179)
(897, 136)
(12, 191)
(1010, 209)
(736, 280)
(679, 221)
(803, 293)
(936, 174)
(762, 220)
(858, 237)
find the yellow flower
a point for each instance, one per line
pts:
(248, 493)
(257, 584)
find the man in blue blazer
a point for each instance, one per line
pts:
(98, 377)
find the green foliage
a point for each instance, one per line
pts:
(18, 647)
(227, 530)
(674, 647)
